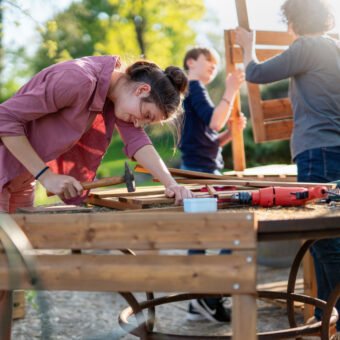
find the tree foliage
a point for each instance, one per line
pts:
(156, 29)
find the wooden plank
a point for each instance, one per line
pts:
(148, 200)
(261, 54)
(242, 13)
(269, 38)
(111, 194)
(256, 113)
(19, 304)
(140, 231)
(265, 171)
(239, 159)
(280, 286)
(278, 130)
(286, 229)
(181, 173)
(256, 184)
(112, 203)
(277, 109)
(85, 272)
(53, 209)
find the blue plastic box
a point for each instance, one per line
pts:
(196, 205)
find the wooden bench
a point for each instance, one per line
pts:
(37, 237)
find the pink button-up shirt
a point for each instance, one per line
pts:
(53, 110)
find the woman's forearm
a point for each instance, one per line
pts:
(23, 151)
(148, 157)
(64, 186)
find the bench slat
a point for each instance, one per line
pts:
(140, 231)
(162, 273)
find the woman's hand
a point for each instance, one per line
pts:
(178, 192)
(246, 39)
(65, 187)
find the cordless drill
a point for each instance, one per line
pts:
(280, 196)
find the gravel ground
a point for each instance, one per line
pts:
(93, 316)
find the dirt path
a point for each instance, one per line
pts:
(93, 316)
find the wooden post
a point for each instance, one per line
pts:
(239, 159)
(243, 312)
(309, 283)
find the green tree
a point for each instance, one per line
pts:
(156, 29)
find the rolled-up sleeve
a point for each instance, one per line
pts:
(132, 137)
(293, 61)
(40, 97)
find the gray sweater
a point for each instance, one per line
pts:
(313, 64)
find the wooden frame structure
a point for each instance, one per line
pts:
(233, 274)
(271, 119)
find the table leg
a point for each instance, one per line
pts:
(244, 316)
(6, 307)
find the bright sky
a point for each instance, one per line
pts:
(263, 14)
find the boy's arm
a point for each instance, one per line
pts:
(225, 137)
(223, 110)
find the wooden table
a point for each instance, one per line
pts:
(81, 231)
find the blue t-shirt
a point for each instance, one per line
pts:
(199, 144)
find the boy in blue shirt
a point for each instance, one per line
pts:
(201, 143)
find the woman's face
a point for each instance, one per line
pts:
(131, 108)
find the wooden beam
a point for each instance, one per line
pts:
(124, 273)
(239, 158)
(256, 184)
(275, 109)
(278, 129)
(140, 231)
(242, 13)
(181, 173)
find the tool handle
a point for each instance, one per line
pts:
(103, 182)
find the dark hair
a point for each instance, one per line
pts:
(308, 16)
(167, 87)
(195, 52)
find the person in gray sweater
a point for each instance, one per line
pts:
(312, 63)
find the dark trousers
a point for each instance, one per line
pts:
(323, 165)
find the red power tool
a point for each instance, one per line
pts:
(283, 196)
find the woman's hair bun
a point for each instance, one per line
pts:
(177, 78)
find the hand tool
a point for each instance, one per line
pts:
(128, 178)
(280, 196)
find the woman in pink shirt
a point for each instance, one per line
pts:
(57, 127)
